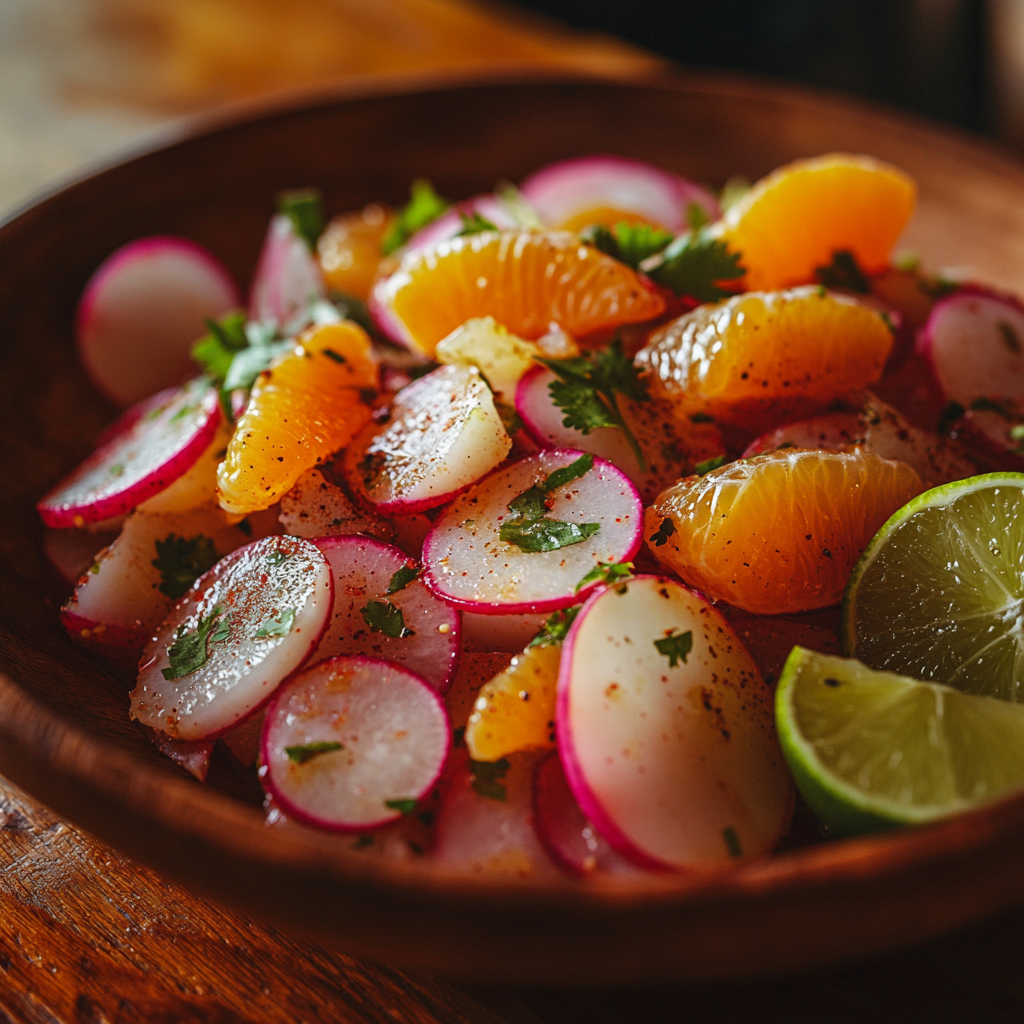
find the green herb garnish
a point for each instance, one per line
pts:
(307, 751)
(181, 561)
(402, 578)
(661, 536)
(275, 558)
(305, 209)
(705, 467)
(990, 405)
(190, 651)
(675, 647)
(696, 264)
(556, 628)
(384, 617)
(844, 272)
(403, 806)
(608, 573)
(629, 243)
(281, 626)
(486, 778)
(733, 191)
(696, 217)
(473, 223)
(424, 207)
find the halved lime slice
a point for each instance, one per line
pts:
(871, 750)
(939, 591)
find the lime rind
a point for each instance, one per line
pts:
(874, 750)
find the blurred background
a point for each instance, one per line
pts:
(81, 80)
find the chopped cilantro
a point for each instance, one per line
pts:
(844, 272)
(566, 474)
(117, 469)
(402, 578)
(732, 841)
(586, 388)
(216, 349)
(486, 778)
(949, 418)
(384, 617)
(181, 561)
(350, 307)
(608, 573)
(629, 243)
(307, 751)
(185, 410)
(189, 651)
(705, 467)
(281, 626)
(424, 207)
(556, 628)
(510, 419)
(251, 362)
(275, 558)
(937, 287)
(305, 209)
(675, 647)
(1009, 336)
(696, 264)
(517, 205)
(403, 806)
(473, 223)
(661, 536)
(696, 217)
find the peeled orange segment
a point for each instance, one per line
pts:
(349, 250)
(304, 408)
(779, 532)
(524, 279)
(762, 358)
(794, 220)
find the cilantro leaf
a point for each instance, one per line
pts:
(384, 617)
(251, 362)
(696, 217)
(190, 651)
(304, 207)
(675, 647)
(696, 264)
(629, 243)
(181, 561)
(486, 778)
(424, 207)
(403, 806)
(307, 751)
(705, 467)
(473, 223)
(566, 474)
(402, 578)
(844, 272)
(281, 626)
(661, 536)
(607, 573)
(215, 350)
(556, 628)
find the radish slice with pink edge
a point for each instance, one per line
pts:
(154, 444)
(567, 834)
(353, 743)
(469, 565)
(317, 507)
(381, 609)
(288, 278)
(450, 223)
(142, 310)
(671, 450)
(666, 730)
(443, 434)
(193, 756)
(255, 617)
(563, 191)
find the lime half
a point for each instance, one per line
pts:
(939, 591)
(871, 750)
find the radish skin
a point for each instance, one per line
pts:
(288, 277)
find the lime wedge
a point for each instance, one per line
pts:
(872, 750)
(939, 591)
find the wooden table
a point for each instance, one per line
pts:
(87, 935)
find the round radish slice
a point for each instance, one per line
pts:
(288, 278)
(353, 743)
(522, 539)
(317, 507)
(444, 433)
(153, 445)
(563, 191)
(250, 621)
(382, 610)
(194, 757)
(451, 223)
(666, 731)
(142, 310)
(569, 837)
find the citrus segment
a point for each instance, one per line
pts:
(764, 357)
(524, 279)
(870, 750)
(779, 532)
(939, 593)
(350, 249)
(794, 220)
(304, 408)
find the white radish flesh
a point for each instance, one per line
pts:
(288, 278)
(318, 507)
(248, 623)
(470, 566)
(565, 190)
(443, 434)
(666, 730)
(363, 572)
(142, 310)
(353, 743)
(197, 486)
(153, 445)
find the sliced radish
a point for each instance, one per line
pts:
(250, 621)
(288, 277)
(382, 610)
(567, 834)
(994, 431)
(666, 730)
(142, 310)
(197, 486)
(451, 223)
(353, 743)
(194, 757)
(443, 434)
(562, 191)
(73, 552)
(155, 443)
(470, 566)
(503, 633)
(670, 451)
(318, 507)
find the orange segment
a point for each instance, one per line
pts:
(761, 358)
(524, 279)
(793, 220)
(301, 410)
(606, 215)
(350, 249)
(778, 532)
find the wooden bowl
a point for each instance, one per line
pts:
(64, 729)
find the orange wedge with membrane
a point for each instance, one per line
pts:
(795, 219)
(349, 250)
(309, 404)
(526, 280)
